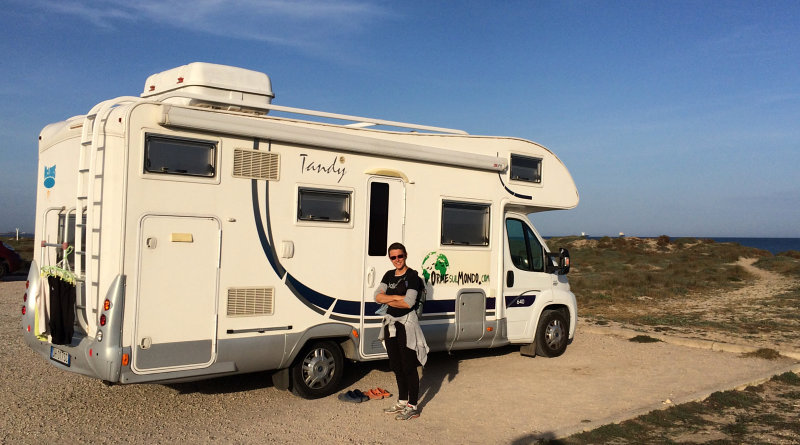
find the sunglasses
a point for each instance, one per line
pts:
(398, 257)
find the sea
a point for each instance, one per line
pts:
(773, 245)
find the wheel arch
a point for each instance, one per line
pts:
(564, 309)
(339, 333)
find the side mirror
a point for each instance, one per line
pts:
(558, 263)
(563, 261)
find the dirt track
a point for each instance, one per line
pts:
(471, 397)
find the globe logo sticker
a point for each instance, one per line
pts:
(49, 176)
(434, 263)
(436, 270)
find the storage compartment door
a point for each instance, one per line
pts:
(470, 315)
(176, 314)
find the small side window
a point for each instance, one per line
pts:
(323, 205)
(177, 156)
(465, 223)
(524, 168)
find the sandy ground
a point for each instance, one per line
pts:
(493, 396)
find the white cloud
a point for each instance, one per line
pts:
(298, 23)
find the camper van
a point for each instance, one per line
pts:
(199, 230)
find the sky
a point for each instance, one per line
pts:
(674, 117)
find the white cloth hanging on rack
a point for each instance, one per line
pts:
(42, 309)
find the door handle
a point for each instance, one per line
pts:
(510, 278)
(371, 276)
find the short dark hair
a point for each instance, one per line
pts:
(397, 246)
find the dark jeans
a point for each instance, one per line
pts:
(403, 362)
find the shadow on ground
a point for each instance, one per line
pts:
(441, 367)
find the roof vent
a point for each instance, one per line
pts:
(213, 86)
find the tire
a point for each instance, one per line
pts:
(551, 334)
(318, 370)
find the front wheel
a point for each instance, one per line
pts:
(551, 334)
(317, 370)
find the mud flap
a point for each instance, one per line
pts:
(528, 350)
(280, 379)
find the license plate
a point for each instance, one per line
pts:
(59, 356)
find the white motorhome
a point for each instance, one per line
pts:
(210, 237)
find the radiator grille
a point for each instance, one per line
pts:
(256, 164)
(250, 301)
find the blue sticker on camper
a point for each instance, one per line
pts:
(49, 176)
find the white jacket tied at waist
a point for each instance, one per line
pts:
(415, 339)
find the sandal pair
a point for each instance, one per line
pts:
(354, 396)
(378, 393)
(357, 396)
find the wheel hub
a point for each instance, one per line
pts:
(318, 368)
(554, 334)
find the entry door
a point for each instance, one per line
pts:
(385, 221)
(525, 278)
(176, 320)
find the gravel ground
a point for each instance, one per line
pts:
(492, 396)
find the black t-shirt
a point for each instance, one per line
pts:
(399, 286)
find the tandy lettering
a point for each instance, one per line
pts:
(309, 165)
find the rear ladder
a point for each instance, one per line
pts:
(88, 210)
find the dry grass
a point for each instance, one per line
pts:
(765, 413)
(691, 287)
(635, 270)
(696, 288)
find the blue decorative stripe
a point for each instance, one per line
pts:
(310, 295)
(490, 303)
(370, 308)
(519, 300)
(265, 238)
(518, 195)
(345, 319)
(346, 307)
(437, 306)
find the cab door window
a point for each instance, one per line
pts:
(525, 249)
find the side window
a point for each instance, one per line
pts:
(537, 252)
(323, 205)
(525, 168)
(178, 156)
(524, 248)
(465, 224)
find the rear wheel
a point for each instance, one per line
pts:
(317, 370)
(551, 334)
